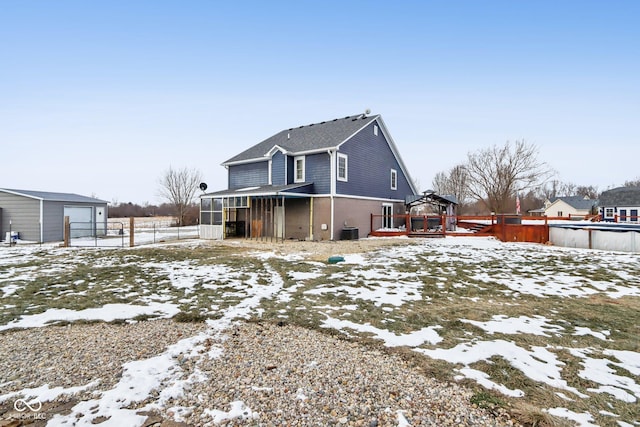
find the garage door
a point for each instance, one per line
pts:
(81, 219)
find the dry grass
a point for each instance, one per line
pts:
(449, 290)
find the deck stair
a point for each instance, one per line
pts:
(475, 227)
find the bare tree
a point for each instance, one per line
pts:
(454, 182)
(179, 188)
(632, 183)
(554, 188)
(589, 191)
(497, 173)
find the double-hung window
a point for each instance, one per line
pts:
(343, 167)
(394, 179)
(298, 164)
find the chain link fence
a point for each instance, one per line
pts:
(117, 232)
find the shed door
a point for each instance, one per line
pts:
(81, 219)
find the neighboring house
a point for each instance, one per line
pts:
(312, 182)
(620, 204)
(570, 206)
(38, 216)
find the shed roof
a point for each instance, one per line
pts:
(52, 197)
(621, 196)
(263, 190)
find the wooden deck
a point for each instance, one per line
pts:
(508, 228)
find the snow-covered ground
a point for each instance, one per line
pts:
(392, 280)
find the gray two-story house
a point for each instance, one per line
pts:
(311, 183)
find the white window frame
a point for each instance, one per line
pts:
(295, 169)
(387, 215)
(609, 212)
(393, 177)
(375, 130)
(344, 178)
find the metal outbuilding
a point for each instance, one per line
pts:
(38, 216)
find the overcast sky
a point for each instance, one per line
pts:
(99, 98)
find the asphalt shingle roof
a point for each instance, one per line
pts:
(621, 196)
(316, 136)
(54, 197)
(578, 202)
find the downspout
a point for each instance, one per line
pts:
(41, 220)
(311, 219)
(333, 191)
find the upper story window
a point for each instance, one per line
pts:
(298, 165)
(394, 179)
(343, 165)
(375, 130)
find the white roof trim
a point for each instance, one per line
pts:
(17, 193)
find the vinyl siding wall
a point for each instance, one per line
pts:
(249, 175)
(24, 214)
(318, 171)
(278, 169)
(53, 219)
(369, 165)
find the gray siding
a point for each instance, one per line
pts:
(53, 219)
(24, 214)
(249, 175)
(370, 161)
(278, 169)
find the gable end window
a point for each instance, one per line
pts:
(375, 130)
(298, 164)
(343, 167)
(394, 179)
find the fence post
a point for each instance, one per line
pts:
(131, 231)
(443, 224)
(67, 231)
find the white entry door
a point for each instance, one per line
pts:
(387, 215)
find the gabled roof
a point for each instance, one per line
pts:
(304, 139)
(316, 138)
(444, 199)
(621, 196)
(53, 197)
(576, 202)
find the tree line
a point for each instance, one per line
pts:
(491, 179)
(178, 187)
